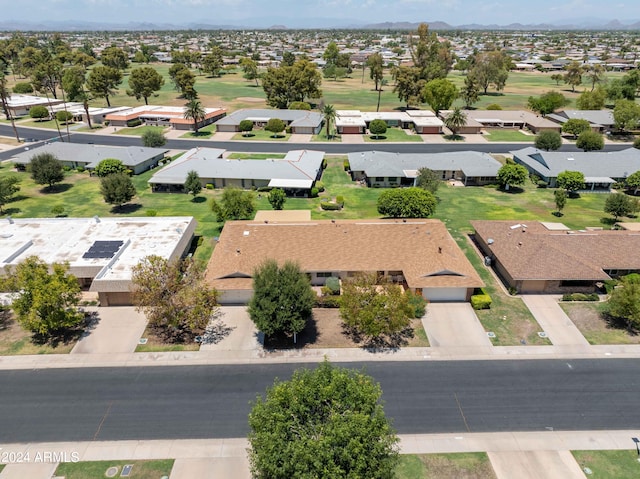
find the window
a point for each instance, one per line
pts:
(324, 274)
(576, 283)
(393, 179)
(379, 178)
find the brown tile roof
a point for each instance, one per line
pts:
(535, 252)
(422, 249)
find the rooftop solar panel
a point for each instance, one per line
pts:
(103, 249)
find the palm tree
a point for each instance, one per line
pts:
(194, 110)
(329, 113)
(455, 120)
(383, 82)
(4, 95)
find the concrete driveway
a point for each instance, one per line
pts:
(117, 330)
(553, 321)
(211, 468)
(232, 330)
(535, 464)
(454, 328)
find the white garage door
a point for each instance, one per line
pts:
(235, 296)
(445, 294)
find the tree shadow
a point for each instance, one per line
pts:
(513, 190)
(198, 199)
(249, 135)
(11, 211)
(58, 188)
(126, 208)
(454, 137)
(618, 323)
(15, 198)
(380, 344)
(215, 331)
(558, 214)
(573, 195)
(378, 137)
(68, 335)
(492, 93)
(201, 134)
(608, 221)
(309, 335)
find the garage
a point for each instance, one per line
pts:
(234, 296)
(445, 294)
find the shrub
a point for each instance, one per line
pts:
(580, 297)
(314, 192)
(332, 284)
(22, 88)
(494, 106)
(610, 284)
(106, 123)
(153, 139)
(480, 301)
(636, 143)
(324, 163)
(326, 205)
(347, 166)
(57, 210)
(542, 184)
(66, 168)
(320, 186)
(80, 169)
(152, 213)
(340, 200)
(209, 186)
(327, 302)
(64, 116)
(110, 166)
(38, 112)
(417, 303)
(134, 122)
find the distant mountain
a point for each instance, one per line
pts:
(438, 25)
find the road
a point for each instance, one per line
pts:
(277, 147)
(213, 401)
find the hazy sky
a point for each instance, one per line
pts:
(299, 12)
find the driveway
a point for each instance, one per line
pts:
(211, 468)
(231, 330)
(454, 328)
(117, 330)
(535, 464)
(553, 321)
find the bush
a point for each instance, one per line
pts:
(326, 205)
(542, 184)
(80, 169)
(152, 213)
(636, 143)
(23, 88)
(324, 163)
(327, 302)
(153, 139)
(417, 303)
(610, 284)
(106, 123)
(57, 210)
(209, 186)
(494, 106)
(320, 186)
(64, 116)
(332, 284)
(134, 122)
(314, 192)
(340, 200)
(347, 166)
(66, 168)
(480, 301)
(580, 297)
(38, 112)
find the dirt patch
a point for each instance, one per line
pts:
(596, 327)
(326, 330)
(250, 99)
(157, 340)
(458, 466)
(15, 340)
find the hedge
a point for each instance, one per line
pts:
(580, 297)
(134, 122)
(325, 205)
(340, 200)
(480, 301)
(327, 302)
(346, 165)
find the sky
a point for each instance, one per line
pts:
(308, 13)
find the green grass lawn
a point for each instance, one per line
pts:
(393, 135)
(508, 135)
(204, 132)
(140, 130)
(610, 464)
(96, 469)
(262, 135)
(255, 156)
(323, 137)
(48, 124)
(474, 465)
(86, 129)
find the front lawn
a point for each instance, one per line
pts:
(16, 341)
(323, 137)
(97, 469)
(469, 465)
(508, 135)
(610, 464)
(393, 135)
(139, 130)
(155, 344)
(262, 135)
(595, 327)
(204, 132)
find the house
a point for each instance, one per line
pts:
(296, 173)
(385, 169)
(419, 254)
(137, 158)
(172, 116)
(535, 257)
(600, 121)
(357, 122)
(19, 105)
(600, 169)
(101, 252)
(303, 122)
(477, 120)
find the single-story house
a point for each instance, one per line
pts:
(300, 121)
(172, 116)
(600, 120)
(101, 252)
(477, 120)
(357, 122)
(385, 169)
(419, 254)
(296, 173)
(534, 257)
(137, 158)
(600, 169)
(19, 105)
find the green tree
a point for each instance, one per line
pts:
(193, 184)
(9, 186)
(573, 75)
(440, 94)
(329, 113)
(619, 204)
(297, 82)
(103, 81)
(245, 126)
(277, 198)
(46, 169)
(575, 126)
(183, 80)
(557, 77)
(470, 92)
(377, 127)
(592, 100)
(618, 89)
(491, 68)
(626, 114)
(431, 57)
(374, 307)
(235, 204)
(39, 112)
(428, 180)
(23, 88)
(173, 296)
(633, 182)
(547, 103)
(409, 86)
(250, 69)
(407, 203)
(282, 300)
(560, 197)
(144, 82)
(570, 181)
(117, 189)
(328, 422)
(194, 111)
(153, 138)
(624, 302)
(512, 175)
(299, 105)
(115, 57)
(590, 141)
(46, 298)
(455, 120)
(110, 166)
(275, 126)
(213, 62)
(595, 74)
(548, 140)
(375, 62)
(64, 116)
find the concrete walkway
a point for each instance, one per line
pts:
(535, 464)
(453, 328)
(115, 330)
(553, 320)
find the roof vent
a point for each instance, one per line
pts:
(96, 218)
(10, 219)
(245, 233)
(571, 159)
(490, 241)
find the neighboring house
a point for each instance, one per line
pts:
(299, 121)
(419, 254)
(534, 257)
(357, 122)
(600, 169)
(19, 105)
(477, 120)
(101, 252)
(383, 169)
(601, 121)
(137, 158)
(296, 173)
(172, 116)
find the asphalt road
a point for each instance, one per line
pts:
(277, 147)
(213, 401)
